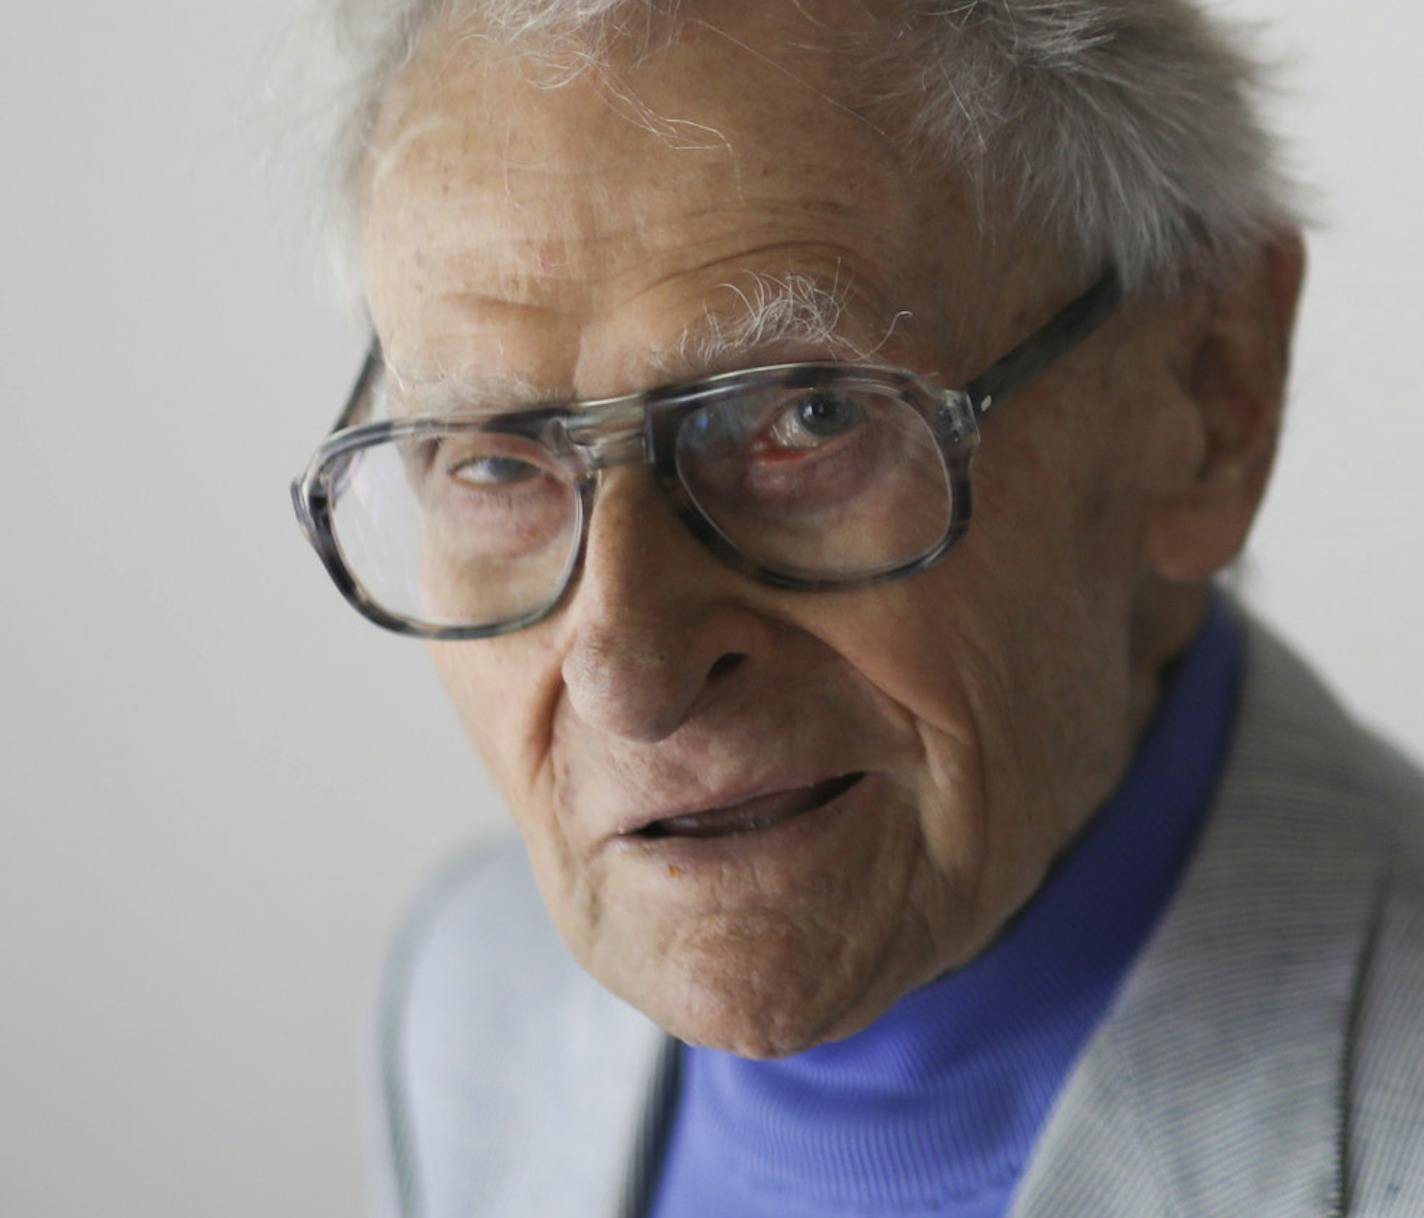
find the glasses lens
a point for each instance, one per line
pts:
(456, 527)
(835, 482)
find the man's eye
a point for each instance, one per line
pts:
(812, 420)
(493, 471)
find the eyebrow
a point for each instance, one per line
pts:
(769, 311)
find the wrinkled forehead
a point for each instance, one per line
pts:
(723, 100)
(790, 61)
(513, 186)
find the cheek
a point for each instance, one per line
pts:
(1043, 596)
(1048, 576)
(1042, 503)
(1008, 660)
(505, 692)
(502, 691)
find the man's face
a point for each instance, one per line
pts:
(567, 238)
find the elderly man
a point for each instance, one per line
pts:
(909, 862)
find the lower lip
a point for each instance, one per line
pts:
(789, 837)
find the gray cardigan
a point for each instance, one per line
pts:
(1265, 1057)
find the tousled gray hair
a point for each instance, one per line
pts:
(1127, 130)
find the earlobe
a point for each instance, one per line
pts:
(1232, 366)
(1191, 543)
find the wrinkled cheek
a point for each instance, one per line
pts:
(572, 887)
(953, 819)
(503, 692)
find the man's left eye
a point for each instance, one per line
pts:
(812, 420)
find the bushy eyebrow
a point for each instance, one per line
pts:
(771, 310)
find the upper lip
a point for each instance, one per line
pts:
(729, 797)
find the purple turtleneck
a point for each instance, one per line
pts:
(935, 1108)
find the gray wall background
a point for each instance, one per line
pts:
(220, 786)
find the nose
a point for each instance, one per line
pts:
(658, 624)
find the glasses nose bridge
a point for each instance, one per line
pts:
(610, 432)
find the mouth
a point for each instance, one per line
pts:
(754, 815)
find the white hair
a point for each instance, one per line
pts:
(1127, 132)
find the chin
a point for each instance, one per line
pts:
(774, 1031)
(770, 1032)
(760, 987)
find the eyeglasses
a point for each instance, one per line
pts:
(808, 476)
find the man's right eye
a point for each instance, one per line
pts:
(491, 471)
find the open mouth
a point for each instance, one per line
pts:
(751, 815)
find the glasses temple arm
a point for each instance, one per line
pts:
(1047, 345)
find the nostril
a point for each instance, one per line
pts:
(725, 664)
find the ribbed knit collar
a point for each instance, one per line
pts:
(934, 1109)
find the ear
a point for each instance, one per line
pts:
(1231, 362)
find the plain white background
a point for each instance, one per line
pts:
(220, 784)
